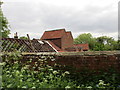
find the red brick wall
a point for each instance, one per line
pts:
(67, 41)
(57, 42)
(80, 62)
(95, 62)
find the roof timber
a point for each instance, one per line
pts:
(11, 44)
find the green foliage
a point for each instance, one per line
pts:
(4, 25)
(85, 38)
(103, 43)
(93, 78)
(23, 37)
(118, 45)
(98, 47)
(18, 73)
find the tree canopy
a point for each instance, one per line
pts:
(4, 25)
(23, 37)
(103, 43)
(85, 38)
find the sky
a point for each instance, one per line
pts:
(33, 17)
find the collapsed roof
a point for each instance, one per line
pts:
(11, 44)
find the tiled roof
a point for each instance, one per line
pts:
(68, 33)
(25, 45)
(53, 34)
(83, 46)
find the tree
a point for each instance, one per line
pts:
(4, 25)
(85, 38)
(118, 45)
(105, 43)
(23, 37)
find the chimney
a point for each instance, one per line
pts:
(15, 35)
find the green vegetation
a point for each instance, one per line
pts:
(4, 25)
(85, 38)
(103, 43)
(23, 37)
(20, 73)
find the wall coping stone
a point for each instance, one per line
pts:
(86, 53)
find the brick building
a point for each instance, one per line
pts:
(62, 40)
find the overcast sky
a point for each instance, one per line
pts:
(33, 17)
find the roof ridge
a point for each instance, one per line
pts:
(68, 31)
(56, 30)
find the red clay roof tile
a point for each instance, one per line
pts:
(53, 34)
(83, 46)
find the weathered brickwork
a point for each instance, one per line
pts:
(80, 62)
(67, 41)
(60, 38)
(96, 62)
(57, 42)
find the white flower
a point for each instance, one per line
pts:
(89, 87)
(20, 80)
(2, 64)
(66, 72)
(22, 70)
(51, 69)
(33, 87)
(55, 64)
(7, 71)
(37, 81)
(28, 80)
(67, 87)
(30, 59)
(38, 68)
(45, 80)
(53, 59)
(26, 67)
(55, 72)
(9, 86)
(33, 67)
(42, 60)
(78, 86)
(35, 71)
(43, 57)
(48, 66)
(17, 72)
(24, 87)
(21, 75)
(16, 62)
(101, 82)
(10, 76)
(29, 75)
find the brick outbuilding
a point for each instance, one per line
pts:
(61, 40)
